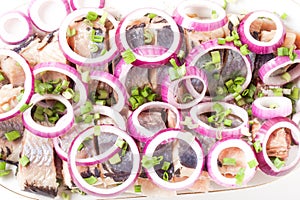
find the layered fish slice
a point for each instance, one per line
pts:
(37, 171)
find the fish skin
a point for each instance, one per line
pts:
(39, 176)
(153, 121)
(135, 37)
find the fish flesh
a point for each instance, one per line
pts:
(39, 176)
(8, 97)
(13, 71)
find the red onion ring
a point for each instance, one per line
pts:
(168, 135)
(209, 131)
(258, 46)
(15, 27)
(139, 132)
(181, 17)
(123, 45)
(280, 62)
(116, 86)
(261, 107)
(69, 71)
(89, 189)
(28, 84)
(41, 13)
(76, 58)
(197, 52)
(267, 128)
(212, 161)
(77, 4)
(61, 126)
(102, 110)
(169, 88)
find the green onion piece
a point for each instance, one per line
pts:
(151, 15)
(240, 176)
(132, 102)
(295, 94)
(221, 41)
(103, 51)
(257, 146)
(103, 18)
(65, 196)
(2, 165)
(124, 149)
(284, 16)
(80, 147)
(88, 119)
(85, 76)
(97, 38)
(20, 96)
(24, 161)
(245, 92)
(241, 102)
(151, 97)
(78, 119)
(48, 111)
(249, 111)
(237, 43)
(278, 92)
(12, 135)
(53, 119)
(216, 57)
(128, 56)
(93, 48)
(211, 119)
(135, 91)
(137, 188)
(229, 38)
(187, 98)
(38, 117)
(278, 163)
(140, 99)
(216, 76)
(253, 163)
(5, 172)
(273, 106)
(59, 107)
(238, 97)
(292, 54)
(260, 94)
(227, 112)
(68, 93)
(228, 122)
(166, 176)
(177, 71)
(286, 76)
(229, 83)
(86, 108)
(146, 91)
(214, 14)
(91, 180)
(225, 5)
(97, 115)
(92, 16)
(166, 166)
(115, 159)
(71, 32)
(244, 50)
(120, 143)
(282, 51)
(229, 161)
(1, 77)
(103, 94)
(239, 80)
(148, 34)
(97, 129)
(218, 108)
(148, 162)
(235, 35)
(25, 107)
(181, 54)
(101, 102)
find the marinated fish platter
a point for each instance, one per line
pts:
(98, 100)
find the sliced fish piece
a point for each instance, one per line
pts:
(136, 77)
(8, 97)
(39, 176)
(135, 36)
(13, 71)
(153, 121)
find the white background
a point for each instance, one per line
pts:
(287, 187)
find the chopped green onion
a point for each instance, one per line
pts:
(229, 161)
(166, 176)
(92, 16)
(260, 94)
(103, 51)
(181, 54)
(292, 54)
(229, 83)
(282, 51)
(71, 32)
(103, 18)
(88, 119)
(146, 91)
(140, 99)
(120, 143)
(237, 43)
(228, 122)
(59, 107)
(148, 34)
(68, 93)
(80, 147)
(225, 5)
(97, 129)
(238, 97)
(133, 102)
(93, 48)
(25, 107)
(214, 14)
(115, 159)
(278, 163)
(244, 50)
(239, 80)
(165, 166)
(151, 97)
(295, 94)
(218, 108)
(245, 92)
(152, 15)
(221, 41)
(273, 106)
(101, 102)
(135, 91)
(229, 38)
(284, 16)
(1, 77)
(241, 102)
(85, 76)
(211, 119)
(187, 97)
(253, 163)
(86, 108)
(216, 57)
(257, 146)
(177, 71)
(38, 117)
(12, 135)
(128, 56)
(91, 180)
(249, 111)
(189, 123)
(2, 165)
(240, 176)
(47, 111)
(148, 162)
(278, 92)
(24, 161)
(137, 188)
(103, 94)
(216, 76)
(65, 196)
(286, 76)
(124, 149)
(5, 172)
